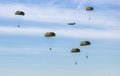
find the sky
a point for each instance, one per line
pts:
(24, 51)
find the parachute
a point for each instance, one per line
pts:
(50, 40)
(71, 23)
(75, 50)
(89, 8)
(86, 57)
(50, 34)
(19, 13)
(85, 43)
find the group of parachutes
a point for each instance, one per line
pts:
(52, 34)
(73, 50)
(21, 13)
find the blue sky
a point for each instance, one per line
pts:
(25, 51)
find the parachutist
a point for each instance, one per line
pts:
(75, 63)
(18, 26)
(86, 57)
(50, 49)
(89, 9)
(89, 18)
(49, 35)
(19, 13)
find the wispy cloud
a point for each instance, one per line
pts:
(113, 2)
(62, 15)
(72, 33)
(107, 19)
(27, 50)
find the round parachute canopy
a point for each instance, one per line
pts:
(75, 50)
(19, 13)
(50, 34)
(89, 9)
(85, 43)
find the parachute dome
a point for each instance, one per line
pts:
(84, 43)
(89, 8)
(50, 34)
(71, 23)
(75, 50)
(19, 13)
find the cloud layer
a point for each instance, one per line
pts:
(72, 33)
(108, 20)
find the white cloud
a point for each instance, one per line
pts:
(62, 15)
(72, 33)
(21, 31)
(89, 33)
(27, 50)
(113, 2)
(105, 19)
